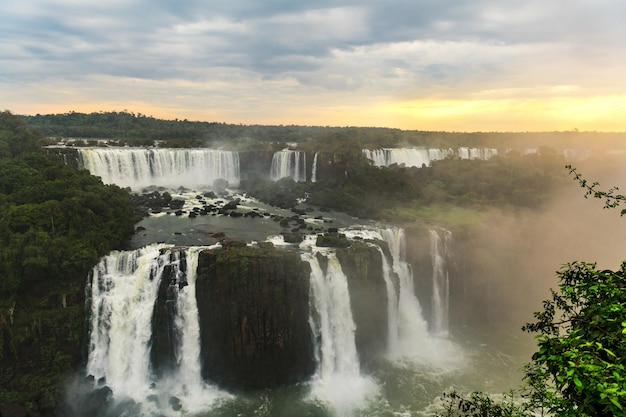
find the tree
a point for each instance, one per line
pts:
(579, 368)
(611, 198)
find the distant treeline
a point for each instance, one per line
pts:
(136, 129)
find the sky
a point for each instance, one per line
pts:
(445, 65)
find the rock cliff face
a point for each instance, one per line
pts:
(253, 307)
(163, 352)
(362, 265)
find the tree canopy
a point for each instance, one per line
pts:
(55, 221)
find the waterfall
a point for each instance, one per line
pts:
(171, 168)
(392, 306)
(377, 156)
(121, 296)
(412, 328)
(419, 157)
(414, 341)
(288, 163)
(314, 169)
(440, 282)
(338, 380)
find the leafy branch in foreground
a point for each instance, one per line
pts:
(611, 198)
(580, 367)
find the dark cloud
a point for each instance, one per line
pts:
(277, 36)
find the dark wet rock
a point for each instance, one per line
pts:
(253, 311)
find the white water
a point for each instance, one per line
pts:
(122, 289)
(288, 163)
(415, 343)
(392, 307)
(125, 284)
(441, 282)
(139, 168)
(338, 381)
(314, 169)
(418, 157)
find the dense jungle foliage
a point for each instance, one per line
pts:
(55, 222)
(136, 129)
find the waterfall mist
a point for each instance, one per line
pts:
(511, 260)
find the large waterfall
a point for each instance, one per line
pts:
(412, 327)
(419, 157)
(121, 298)
(139, 168)
(288, 163)
(146, 344)
(338, 380)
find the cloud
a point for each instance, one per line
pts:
(364, 51)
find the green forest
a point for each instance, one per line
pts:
(55, 223)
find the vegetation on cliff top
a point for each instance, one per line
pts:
(402, 194)
(55, 221)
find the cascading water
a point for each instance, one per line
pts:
(338, 381)
(441, 281)
(139, 168)
(414, 341)
(121, 298)
(288, 163)
(314, 169)
(392, 306)
(412, 328)
(477, 153)
(419, 157)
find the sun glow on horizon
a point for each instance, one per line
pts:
(604, 114)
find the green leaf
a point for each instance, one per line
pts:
(616, 403)
(578, 382)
